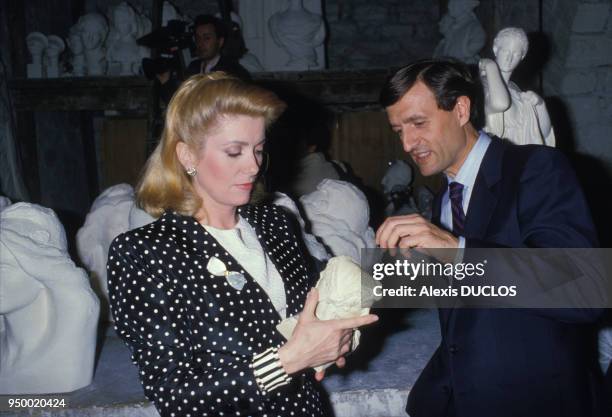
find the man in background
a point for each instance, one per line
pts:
(209, 37)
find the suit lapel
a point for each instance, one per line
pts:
(486, 192)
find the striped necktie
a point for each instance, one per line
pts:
(455, 194)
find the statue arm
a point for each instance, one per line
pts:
(497, 97)
(543, 119)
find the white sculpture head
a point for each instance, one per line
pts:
(458, 8)
(510, 47)
(37, 43)
(93, 29)
(108, 217)
(124, 20)
(55, 46)
(49, 312)
(398, 175)
(338, 200)
(75, 43)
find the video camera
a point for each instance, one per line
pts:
(170, 41)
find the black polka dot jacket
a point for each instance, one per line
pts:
(192, 335)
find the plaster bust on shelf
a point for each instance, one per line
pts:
(123, 53)
(519, 116)
(94, 30)
(298, 31)
(55, 47)
(36, 43)
(75, 44)
(48, 312)
(463, 35)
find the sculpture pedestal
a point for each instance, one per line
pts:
(375, 382)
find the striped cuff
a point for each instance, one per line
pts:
(268, 370)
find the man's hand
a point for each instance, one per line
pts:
(413, 231)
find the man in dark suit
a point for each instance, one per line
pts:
(491, 362)
(209, 36)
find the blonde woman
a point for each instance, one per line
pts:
(197, 294)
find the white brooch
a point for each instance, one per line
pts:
(216, 267)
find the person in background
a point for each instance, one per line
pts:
(209, 37)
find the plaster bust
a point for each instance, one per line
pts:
(48, 311)
(298, 31)
(36, 43)
(123, 53)
(463, 35)
(94, 30)
(338, 213)
(109, 216)
(519, 116)
(77, 49)
(55, 47)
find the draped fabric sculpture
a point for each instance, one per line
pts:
(48, 312)
(463, 35)
(519, 116)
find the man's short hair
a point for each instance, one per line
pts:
(208, 19)
(448, 79)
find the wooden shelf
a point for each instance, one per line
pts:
(342, 90)
(83, 93)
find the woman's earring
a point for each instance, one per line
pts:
(191, 171)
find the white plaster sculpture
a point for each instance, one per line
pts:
(248, 60)
(108, 217)
(519, 116)
(343, 290)
(397, 188)
(123, 54)
(315, 248)
(338, 213)
(4, 202)
(604, 342)
(94, 30)
(37, 44)
(55, 47)
(463, 35)
(77, 49)
(48, 310)
(138, 217)
(298, 31)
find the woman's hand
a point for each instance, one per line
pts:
(315, 342)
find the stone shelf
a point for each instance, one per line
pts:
(343, 90)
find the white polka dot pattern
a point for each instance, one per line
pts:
(191, 334)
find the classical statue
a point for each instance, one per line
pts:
(338, 213)
(108, 217)
(298, 31)
(463, 35)
(48, 312)
(519, 116)
(77, 49)
(55, 47)
(124, 55)
(94, 30)
(36, 43)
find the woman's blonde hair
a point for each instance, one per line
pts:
(196, 108)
